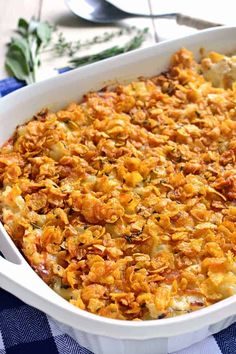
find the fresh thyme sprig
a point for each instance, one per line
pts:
(134, 43)
(64, 47)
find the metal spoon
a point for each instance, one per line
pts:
(101, 11)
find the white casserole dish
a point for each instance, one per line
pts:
(103, 335)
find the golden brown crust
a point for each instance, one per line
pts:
(125, 204)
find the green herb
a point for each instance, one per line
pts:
(63, 47)
(128, 238)
(22, 58)
(34, 38)
(35, 226)
(134, 43)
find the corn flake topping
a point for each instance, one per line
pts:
(125, 204)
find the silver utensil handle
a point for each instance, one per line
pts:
(195, 22)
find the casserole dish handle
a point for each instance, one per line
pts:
(21, 280)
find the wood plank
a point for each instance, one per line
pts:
(168, 28)
(217, 11)
(10, 12)
(223, 12)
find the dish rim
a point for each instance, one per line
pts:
(165, 323)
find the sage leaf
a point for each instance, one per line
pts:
(22, 58)
(22, 45)
(16, 63)
(44, 32)
(23, 24)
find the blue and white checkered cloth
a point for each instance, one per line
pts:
(25, 330)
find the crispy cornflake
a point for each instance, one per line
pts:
(125, 204)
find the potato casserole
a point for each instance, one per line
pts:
(125, 204)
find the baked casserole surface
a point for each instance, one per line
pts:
(125, 204)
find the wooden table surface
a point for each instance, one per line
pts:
(74, 28)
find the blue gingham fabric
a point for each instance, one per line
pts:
(25, 330)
